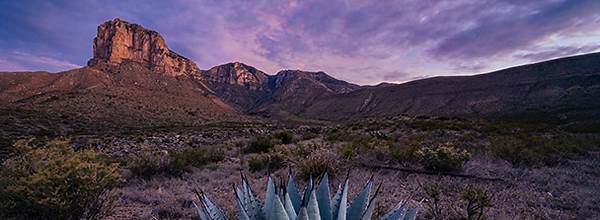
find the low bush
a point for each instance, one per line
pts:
(285, 137)
(315, 166)
(470, 204)
(153, 162)
(56, 182)
(259, 145)
(475, 201)
(443, 158)
(404, 154)
(535, 150)
(348, 151)
(271, 161)
(149, 163)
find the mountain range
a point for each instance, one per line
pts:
(134, 79)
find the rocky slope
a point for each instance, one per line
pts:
(132, 80)
(287, 92)
(568, 88)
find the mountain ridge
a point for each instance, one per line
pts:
(134, 65)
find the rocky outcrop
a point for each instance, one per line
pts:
(237, 74)
(118, 41)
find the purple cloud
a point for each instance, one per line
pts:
(360, 41)
(556, 52)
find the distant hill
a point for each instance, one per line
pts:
(568, 88)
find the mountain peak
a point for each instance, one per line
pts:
(237, 73)
(118, 41)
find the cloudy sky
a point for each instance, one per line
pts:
(364, 42)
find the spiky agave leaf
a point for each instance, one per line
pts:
(242, 213)
(208, 210)
(411, 214)
(249, 201)
(340, 201)
(313, 206)
(307, 189)
(292, 190)
(324, 198)
(396, 214)
(303, 214)
(359, 204)
(202, 215)
(289, 207)
(367, 215)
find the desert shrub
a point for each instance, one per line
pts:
(198, 157)
(470, 204)
(259, 145)
(534, 150)
(285, 137)
(315, 166)
(149, 163)
(256, 163)
(475, 200)
(303, 150)
(434, 202)
(348, 151)
(275, 161)
(403, 154)
(442, 158)
(307, 135)
(271, 161)
(56, 182)
(153, 162)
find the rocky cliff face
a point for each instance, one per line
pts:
(118, 41)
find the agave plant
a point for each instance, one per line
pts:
(314, 204)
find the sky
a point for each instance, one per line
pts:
(364, 42)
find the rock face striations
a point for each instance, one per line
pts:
(118, 41)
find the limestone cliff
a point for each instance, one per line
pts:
(118, 41)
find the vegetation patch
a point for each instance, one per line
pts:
(443, 158)
(285, 137)
(262, 144)
(153, 162)
(534, 149)
(56, 182)
(271, 161)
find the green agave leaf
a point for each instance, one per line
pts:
(242, 214)
(292, 190)
(313, 206)
(278, 211)
(307, 189)
(270, 197)
(411, 215)
(359, 205)
(340, 201)
(202, 215)
(250, 202)
(372, 204)
(397, 213)
(324, 198)
(289, 207)
(210, 209)
(302, 214)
